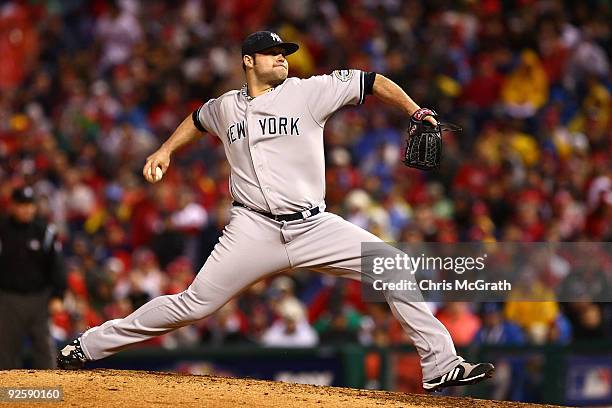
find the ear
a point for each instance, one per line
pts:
(248, 61)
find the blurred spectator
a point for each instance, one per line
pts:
(189, 219)
(483, 89)
(537, 319)
(19, 43)
(292, 329)
(375, 325)
(168, 242)
(496, 329)
(144, 281)
(118, 30)
(213, 230)
(462, 324)
(338, 321)
(587, 320)
(180, 274)
(228, 325)
(525, 90)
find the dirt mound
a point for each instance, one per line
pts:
(119, 388)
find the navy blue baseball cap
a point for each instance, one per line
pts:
(260, 40)
(23, 195)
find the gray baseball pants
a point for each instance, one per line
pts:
(254, 247)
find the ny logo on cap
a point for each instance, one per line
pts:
(275, 37)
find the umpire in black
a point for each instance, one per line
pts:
(32, 274)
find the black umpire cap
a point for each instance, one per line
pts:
(23, 195)
(260, 40)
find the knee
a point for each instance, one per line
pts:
(198, 305)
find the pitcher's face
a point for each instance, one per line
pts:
(270, 65)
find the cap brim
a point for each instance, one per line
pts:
(22, 200)
(289, 47)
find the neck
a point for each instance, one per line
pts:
(256, 88)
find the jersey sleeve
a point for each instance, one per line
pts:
(326, 94)
(208, 117)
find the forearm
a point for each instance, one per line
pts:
(185, 133)
(390, 93)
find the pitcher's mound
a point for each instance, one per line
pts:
(126, 389)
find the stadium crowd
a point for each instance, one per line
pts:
(89, 88)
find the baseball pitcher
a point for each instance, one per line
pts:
(272, 133)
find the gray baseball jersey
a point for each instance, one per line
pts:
(274, 144)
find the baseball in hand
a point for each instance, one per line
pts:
(158, 174)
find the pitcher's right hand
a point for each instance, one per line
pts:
(161, 159)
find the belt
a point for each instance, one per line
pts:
(285, 217)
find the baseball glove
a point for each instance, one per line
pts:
(424, 142)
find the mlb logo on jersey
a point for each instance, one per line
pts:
(343, 74)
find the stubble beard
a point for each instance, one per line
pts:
(275, 78)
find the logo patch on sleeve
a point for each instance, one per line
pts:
(343, 74)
